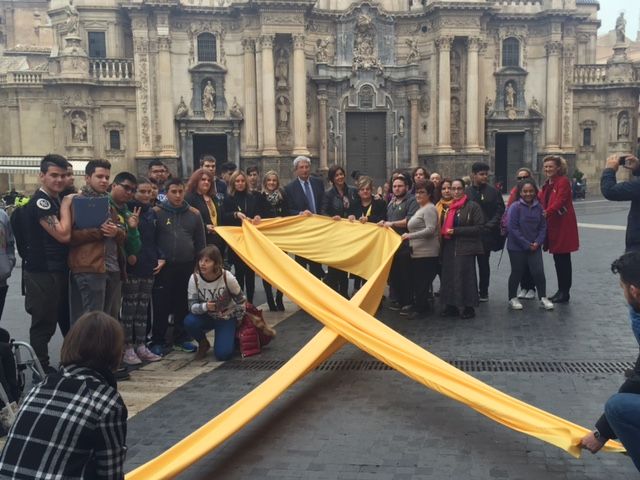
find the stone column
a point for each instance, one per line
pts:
(268, 97)
(414, 97)
(473, 46)
(139, 29)
(322, 120)
(165, 96)
(299, 98)
(552, 141)
(444, 94)
(250, 106)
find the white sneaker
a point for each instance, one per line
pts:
(130, 357)
(514, 304)
(546, 303)
(530, 294)
(523, 293)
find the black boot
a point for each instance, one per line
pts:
(279, 304)
(555, 296)
(562, 297)
(272, 305)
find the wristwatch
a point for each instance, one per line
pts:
(598, 436)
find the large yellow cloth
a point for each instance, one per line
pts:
(365, 250)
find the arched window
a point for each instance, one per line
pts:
(511, 52)
(586, 137)
(114, 139)
(206, 47)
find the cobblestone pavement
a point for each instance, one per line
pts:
(360, 424)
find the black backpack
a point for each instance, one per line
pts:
(19, 226)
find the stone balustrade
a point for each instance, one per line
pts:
(590, 74)
(111, 69)
(22, 78)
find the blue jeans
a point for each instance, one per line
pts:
(224, 341)
(623, 413)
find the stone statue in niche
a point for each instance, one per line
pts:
(414, 54)
(182, 110)
(73, 18)
(621, 25)
(623, 126)
(401, 126)
(332, 127)
(364, 57)
(509, 96)
(209, 101)
(282, 69)
(455, 67)
(322, 51)
(235, 111)
(283, 111)
(78, 127)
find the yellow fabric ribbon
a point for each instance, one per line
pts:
(365, 250)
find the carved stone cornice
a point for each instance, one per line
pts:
(249, 45)
(298, 41)
(553, 48)
(267, 41)
(444, 43)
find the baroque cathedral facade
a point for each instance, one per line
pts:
(371, 85)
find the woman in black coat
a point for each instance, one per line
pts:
(276, 202)
(337, 204)
(202, 195)
(241, 204)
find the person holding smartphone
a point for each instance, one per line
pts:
(628, 190)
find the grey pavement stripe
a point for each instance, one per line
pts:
(464, 365)
(602, 226)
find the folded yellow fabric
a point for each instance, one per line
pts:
(365, 250)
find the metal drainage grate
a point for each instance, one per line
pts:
(464, 365)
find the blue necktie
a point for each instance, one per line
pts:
(309, 195)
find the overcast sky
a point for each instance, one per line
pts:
(609, 11)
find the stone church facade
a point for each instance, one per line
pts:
(370, 85)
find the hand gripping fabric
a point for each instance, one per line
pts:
(365, 250)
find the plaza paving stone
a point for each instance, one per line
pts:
(378, 424)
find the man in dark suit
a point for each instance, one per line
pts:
(304, 195)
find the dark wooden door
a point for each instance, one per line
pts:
(366, 145)
(509, 158)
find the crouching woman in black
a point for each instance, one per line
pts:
(74, 424)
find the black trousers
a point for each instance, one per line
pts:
(314, 268)
(399, 281)
(3, 296)
(423, 272)
(532, 261)
(484, 272)
(170, 297)
(338, 280)
(44, 293)
(245, 276)
(563, 271)
(527, 282)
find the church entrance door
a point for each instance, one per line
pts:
(215, 145)
(366, 144)
(509, 158)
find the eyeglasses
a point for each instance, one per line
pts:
(523, 178)
(128, 188)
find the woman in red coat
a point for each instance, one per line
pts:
(562, 226)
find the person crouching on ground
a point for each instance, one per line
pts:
(216, 302)
(74, 424)
(527, 229)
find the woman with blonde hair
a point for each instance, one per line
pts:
(562, 225)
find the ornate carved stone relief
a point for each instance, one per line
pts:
(569, 61)
(365, 56)
(521, 33)
(623, 126)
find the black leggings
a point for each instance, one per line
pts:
(563, 271)
(519, 262)
(244, 275)
(423, 272)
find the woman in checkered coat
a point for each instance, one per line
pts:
(73, 425)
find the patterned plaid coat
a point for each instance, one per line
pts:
(71, 426)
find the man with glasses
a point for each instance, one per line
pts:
(97, 256)
(492, 205)
(158, 173)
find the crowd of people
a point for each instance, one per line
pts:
(145, 250)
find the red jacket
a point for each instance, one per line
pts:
(562, 226)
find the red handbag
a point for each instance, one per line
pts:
(253, 332)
